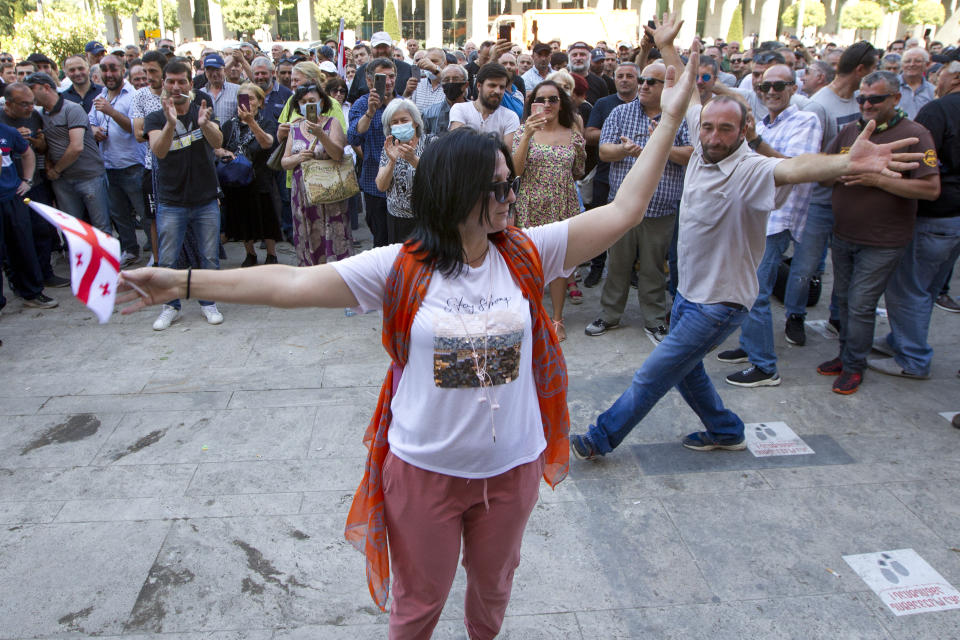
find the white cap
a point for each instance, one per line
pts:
(328, 66)
(381, 37)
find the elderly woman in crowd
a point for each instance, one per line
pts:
(249, 214)
(548, 155)
(320, 232)
(403, 128)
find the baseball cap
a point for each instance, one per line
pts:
(94, 47)
(328, 66)
(623, 44)
(579, 45)
(381, 37)
(214, 61)
(598, 54)
(117, 50)
(542, 46)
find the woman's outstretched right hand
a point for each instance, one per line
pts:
(149, 286)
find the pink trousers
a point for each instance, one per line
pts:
(428, 514)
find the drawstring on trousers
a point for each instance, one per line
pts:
(486, 502)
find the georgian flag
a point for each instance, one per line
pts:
(94, 260)
(341, 53)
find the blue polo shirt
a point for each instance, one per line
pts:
(11, 142)
(86, 100)
(274, 101)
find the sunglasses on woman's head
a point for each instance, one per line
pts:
(501, 190)
(548, 99)
(650, 82)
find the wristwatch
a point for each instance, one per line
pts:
(29, 182)
(756, 142)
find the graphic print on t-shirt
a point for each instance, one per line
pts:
(468, 346)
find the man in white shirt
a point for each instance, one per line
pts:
(486, 113)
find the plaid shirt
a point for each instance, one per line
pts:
(372, 143)
(629, 120)
(792, 133)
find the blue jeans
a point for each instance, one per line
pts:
(808, 260)
(695, 329)
(126, 204)
(756, 334)
(915, 285)
(172, 223)
(860, 274)
(92, 193)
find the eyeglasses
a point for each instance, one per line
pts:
(777, 86)
(650, 82)
(501, 190)
(746, 60)
(736, 60)
(547, 99)
(873, 99)
(706, 77)
(338, 90)
(5, 60)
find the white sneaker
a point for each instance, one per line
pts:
(211, 313)
(128, 259)
(167, 316)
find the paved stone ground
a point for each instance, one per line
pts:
(194, 483)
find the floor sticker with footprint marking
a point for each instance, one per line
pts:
(904, 581)
(774, 439)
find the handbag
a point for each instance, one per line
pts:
(780, 286)
(273, 162)
(586, 187)
(237, 172)
(328, 181)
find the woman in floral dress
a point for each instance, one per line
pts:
(548, 155)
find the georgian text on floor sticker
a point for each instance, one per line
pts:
(904, 581)
(774, 439)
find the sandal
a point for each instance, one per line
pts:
(560, 330)
(573, 291)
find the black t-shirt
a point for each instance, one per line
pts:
(187, 176)
(598, 88)
(238, 138)
(34, 123)
(942, 118)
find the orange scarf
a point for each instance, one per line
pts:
(405, 289)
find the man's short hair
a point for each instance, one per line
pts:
(707, 61)
(155, 56)
(923, 52)
(25, 63)
(559, 58)
(262, 61)
(492, 70)
(380, 63)
(361, 45)
(458, 68)
(769, 57)
(177, 67)
(731, 100)
(39, 77)
(823, 68)
(861, 53)
(892, 80)
(14, 87)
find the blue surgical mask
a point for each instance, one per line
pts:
(403, 132)
(429, 75)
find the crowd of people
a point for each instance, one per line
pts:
(488, 177)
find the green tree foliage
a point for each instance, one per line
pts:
(246, 16)
(814, 14)
(390, 23)
(121, 8)
(147, 17)
(735, 32)
(13, 11)
(57, 33)
(864, 14)
(924, 12)
(329, 12)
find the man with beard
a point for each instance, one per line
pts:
(183, 135)
(276, 94)
(486, 114)
(579, 54)
(728, 191)
(122, 155)
(453, 79)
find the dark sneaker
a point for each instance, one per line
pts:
(249, 261)
(600, 326)
(847, 383)
(754, 377)
(40, 302)
(593, 278)
(795, 331)
(833, 326)
(270, 259)
(947, 303)
(656, 334)
(582, 447)
(703, 441)
(56, 282)
(830, 367)
(733, 356)
(955, 422)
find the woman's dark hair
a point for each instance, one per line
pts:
(335, 83)
(307, 88)
(455, 172)
(565, 117)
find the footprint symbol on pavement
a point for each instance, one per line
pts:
(888, 566)
(763, 431)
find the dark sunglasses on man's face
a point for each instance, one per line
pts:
(545, 99)
(706, 77)
(501, 190)
(650, 82)
(873, 99)
(736, 60)
(5, 60)
(777, 86)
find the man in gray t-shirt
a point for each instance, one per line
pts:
(74, 164)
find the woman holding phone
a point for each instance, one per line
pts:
(248, 210)
(549, 154)
(320, 232)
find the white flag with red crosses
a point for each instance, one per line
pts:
(341, 53)
(94, 260)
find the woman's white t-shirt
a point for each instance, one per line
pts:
(443, 418)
